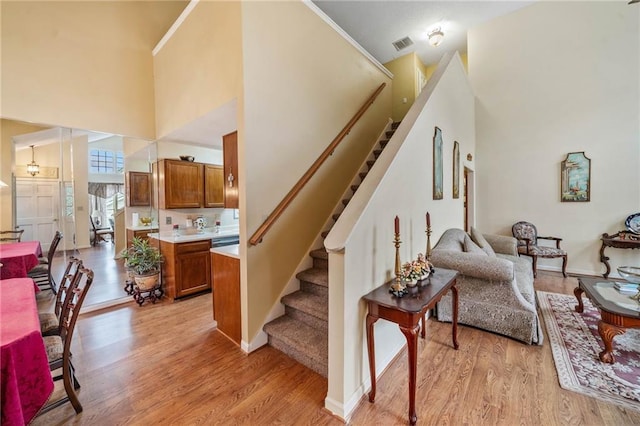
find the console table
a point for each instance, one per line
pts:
(621, 240)
(407, 312)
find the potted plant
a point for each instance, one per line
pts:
(143, 262)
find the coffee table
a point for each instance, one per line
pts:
(617, 311)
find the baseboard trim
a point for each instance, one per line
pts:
(259, 341)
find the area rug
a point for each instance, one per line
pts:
(575, 344)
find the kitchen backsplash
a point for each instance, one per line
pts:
(181, 217)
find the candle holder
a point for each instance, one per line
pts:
(428, 250)
(398, 288)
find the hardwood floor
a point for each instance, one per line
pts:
(163, 364)
(110, 274)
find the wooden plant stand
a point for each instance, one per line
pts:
(153, 294)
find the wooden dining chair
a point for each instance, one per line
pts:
(59, 347)
(14, 236)
(41, 274)
(50, 322)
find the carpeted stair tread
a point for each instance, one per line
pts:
(325, 233)
(311, 304)
(320, 253)
(354, 188)
(395, 125)
(384, 143)
(301, 342)
(389, 133)
(363, 175)
(314, 275)
(376, 153)
(370, 163)
(346, 201)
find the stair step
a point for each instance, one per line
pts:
(384, 143)
(325, 233)
(346, 201)
(370, 163)
(320, 258)
(354, 188)
(335, 216)
(363, 175)
(320, 253)
(305, 344)
(316, 276)
(309, 303)
(389, 133)
(376, 153)
(395, 125)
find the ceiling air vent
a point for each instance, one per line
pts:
(402, 43)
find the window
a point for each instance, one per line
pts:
(68, 199)
(101, 161)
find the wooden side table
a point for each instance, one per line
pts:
(621, 240)
(407, 312)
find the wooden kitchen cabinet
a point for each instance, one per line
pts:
(139, 233)
(213, 186)
(180, 184)
(187, 268)
(226, 295)
(230, 157)
(138, 188)
(184, 184)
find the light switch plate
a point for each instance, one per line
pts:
(168, 220)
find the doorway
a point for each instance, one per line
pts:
(468, 184)
(37, 210)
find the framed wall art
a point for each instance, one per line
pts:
(437, 165)
(575, 178)
(456, 170)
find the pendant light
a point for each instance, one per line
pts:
(33, 168)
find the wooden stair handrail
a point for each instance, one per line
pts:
(257, 236)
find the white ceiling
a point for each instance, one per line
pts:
(375, 25)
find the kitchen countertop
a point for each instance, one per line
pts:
(142, 227)
(230, 251)
(185, 238)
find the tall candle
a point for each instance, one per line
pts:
(397, 225)
(428, 220)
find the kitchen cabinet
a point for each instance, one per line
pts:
(185, 184)
(138, 188)
(139, 233)
(213, 185)
(230, 159)
(180, 184)
(226, 295)
(187, 268)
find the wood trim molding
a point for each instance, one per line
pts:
(174, 27)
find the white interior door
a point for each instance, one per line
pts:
(37, 210)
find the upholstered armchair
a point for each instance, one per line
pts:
(527, 236)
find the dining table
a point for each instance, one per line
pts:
(26, 378)
(19, 258)
(27, 383)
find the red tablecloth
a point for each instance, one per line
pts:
(26, 381)
(18, 258)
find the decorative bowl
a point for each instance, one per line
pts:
(146, 220)
(630, 273)
(187, 158)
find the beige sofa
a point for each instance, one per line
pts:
(495, 291)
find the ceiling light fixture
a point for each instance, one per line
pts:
(435, 37)
(33, 168)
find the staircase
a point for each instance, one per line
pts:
(302, 333)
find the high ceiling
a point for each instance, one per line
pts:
(375, 25)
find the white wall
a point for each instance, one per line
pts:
(400, 183)
(554, 78)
